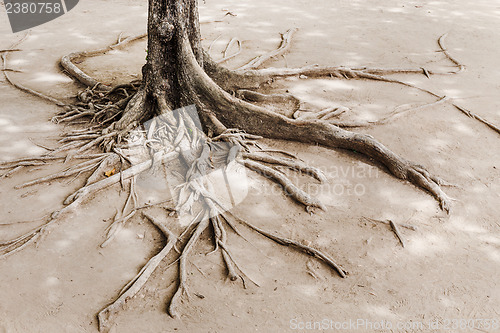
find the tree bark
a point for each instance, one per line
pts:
(175, 76)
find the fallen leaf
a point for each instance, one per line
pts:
(110, 172)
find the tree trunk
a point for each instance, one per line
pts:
(169, 21)
(174, 76)
(177, 74)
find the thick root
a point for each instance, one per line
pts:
(242, 78)
(235, 113)
(172, 134)
(289, 163)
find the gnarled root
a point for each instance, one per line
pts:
(74, 200)
(235, 113)
(250, 77)
(289, 188)
(230, 119)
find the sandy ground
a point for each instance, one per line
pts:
(451, 266)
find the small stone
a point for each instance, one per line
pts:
(302, 77)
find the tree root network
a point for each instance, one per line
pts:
(234, 119)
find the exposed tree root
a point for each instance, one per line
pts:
(229, 45)
(284, 46)
(254, 96)
(74, 71)
(11, 172)
(395, 228)
(74, 200)
(481, 119)
(268, 74)
(460, 66)
(324, 114)
(182, 288)
(77, 169)
(388, 222)
(287, 162)
(236, 113)
(230, 127)
(328, 116)
(5, 68)
(289, 188)
(120, 220)
(342, 71)
(301, 247)
(106, 316)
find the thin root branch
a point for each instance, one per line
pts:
(304, 248)
(395, 228)
(289, 188)
(289, 163)
(74, 71)
(286, 39)
(182, 287)
(19, 86)
(107, 315)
